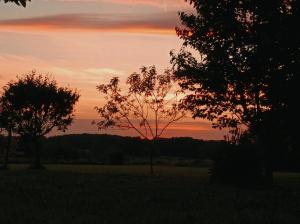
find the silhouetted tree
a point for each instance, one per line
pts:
(6, 149)
(6, 125)
(34, 104)
(150, 104)
(246, 72)
(18, 2)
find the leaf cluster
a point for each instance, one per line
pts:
(149, 99)
(34, 104)
(248, 55)
(18, 2)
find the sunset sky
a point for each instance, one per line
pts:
(83, 43)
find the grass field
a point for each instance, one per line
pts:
(127, 194)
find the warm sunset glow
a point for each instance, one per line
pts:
(85, 43)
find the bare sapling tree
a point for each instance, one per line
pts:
(149, 104)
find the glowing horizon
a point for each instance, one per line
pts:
(85, 43)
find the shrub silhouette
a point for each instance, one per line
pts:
(116, 158)
(35, 105)
(237, 165)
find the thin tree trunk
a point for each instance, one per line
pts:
(7, 149)
(268, 166)
(266, 159)
(151, 160)
(152, 149)
(269, 177)
(37, 159)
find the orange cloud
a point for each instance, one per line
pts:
(158, 23)
(159, 3)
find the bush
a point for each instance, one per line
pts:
(115, 156)
(238, 165)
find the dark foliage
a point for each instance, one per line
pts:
(237, 165)
(247, 73)
(18, 2)
(33, 105)
(115, 156)
(145, 105)
(249, 59)
(95, 149)
(90, 148)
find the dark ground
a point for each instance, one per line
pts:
(127, 194)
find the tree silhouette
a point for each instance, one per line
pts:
(18, 2)
(34, 104)
(5, 125)
(150, 104)
(246, 70)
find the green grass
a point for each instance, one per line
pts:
(127, 194)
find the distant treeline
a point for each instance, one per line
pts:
(102, 149)
(96, 148)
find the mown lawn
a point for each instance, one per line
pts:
(127, 194)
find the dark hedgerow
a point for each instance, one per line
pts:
(115, 156)
(237, 165)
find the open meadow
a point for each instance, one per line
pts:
(102, 91)
(128, 194)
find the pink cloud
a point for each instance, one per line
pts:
(169, 3)
(160, 23)
(159, 3)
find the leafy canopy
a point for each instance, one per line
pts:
(18, 2)
(149, 105)
(247, 60)
(34, 105)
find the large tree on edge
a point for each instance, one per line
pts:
(246, 72)
(35, 105)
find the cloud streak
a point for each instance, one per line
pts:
(158, 3)
(158, 23)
